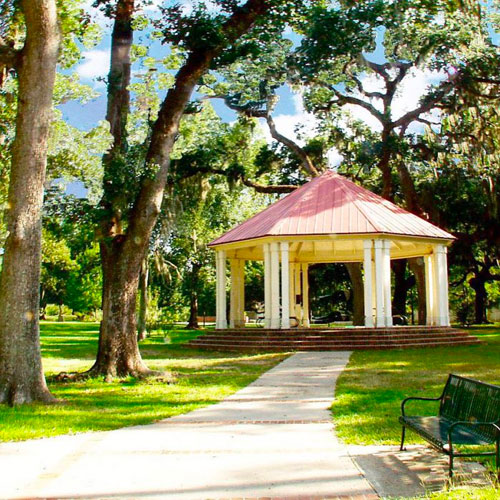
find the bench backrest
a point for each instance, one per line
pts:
(470, 400)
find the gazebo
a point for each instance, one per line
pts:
(329, 220)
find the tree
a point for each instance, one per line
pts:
(129, 215)
(21, 375)
(56, 267)
(442, 39)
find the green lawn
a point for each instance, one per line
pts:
(369, 392)
(201, 378)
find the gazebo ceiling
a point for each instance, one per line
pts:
(326, 221)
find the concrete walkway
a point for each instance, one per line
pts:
(273, 439)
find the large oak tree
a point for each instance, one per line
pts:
(21, 375)
(131, 203)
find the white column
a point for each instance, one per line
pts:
(305, 294)
(368, 279)
(275, 285)
(435, 288)
(267, 285)
(220, 260)
(233, 295)
(379, 284)
(240, 311)
(387, 283)
(298, 291)
(442, 286)
(429, 289)
(285, 286)
(292, 288)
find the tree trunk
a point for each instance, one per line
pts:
(118, 352)
(193, 312)
(143, 301)
(60, 317)
(480, 299)
(193, 301)
(384, 165)
(400, 287)
(122, 252)
(21, 374)
(418, 269)
(358, 291)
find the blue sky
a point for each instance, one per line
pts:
(287, 115)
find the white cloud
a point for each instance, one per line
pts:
(96, 64)
(413, 87)
(334, 158)
(288, 124)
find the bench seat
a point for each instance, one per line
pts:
(435, 430)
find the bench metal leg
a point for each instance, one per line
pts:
(497, 458)
(451, 466)
(403, 432)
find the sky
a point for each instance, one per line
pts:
(288, 114)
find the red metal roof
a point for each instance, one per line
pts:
(331, 204)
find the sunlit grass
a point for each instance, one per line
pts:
(201, 378)
(369, 392)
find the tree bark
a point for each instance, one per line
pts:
(401, 287)
(21, 374)
(122, 251)
(354, 270)
(193, 312)
(193, 301)
(118, 352)
(60, 317)
(480, 299)
(143, 301)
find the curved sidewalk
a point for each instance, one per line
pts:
(273, 439)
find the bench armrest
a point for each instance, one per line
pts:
(418, 399)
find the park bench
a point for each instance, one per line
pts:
(469, 414)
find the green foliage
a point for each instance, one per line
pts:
(85, 282)
(56, 266)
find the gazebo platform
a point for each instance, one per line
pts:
(332, 339)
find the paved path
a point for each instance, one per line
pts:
(273, 439)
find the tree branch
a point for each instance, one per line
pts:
(289, 143)
(149, 200)
(345, 99)
(306, 161)
(260, 188)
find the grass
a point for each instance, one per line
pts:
(202, 378)
(369, 392)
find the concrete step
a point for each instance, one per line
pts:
(331, 337)
(330, 347)
(299, 344)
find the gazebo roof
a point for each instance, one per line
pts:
(331, 204)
